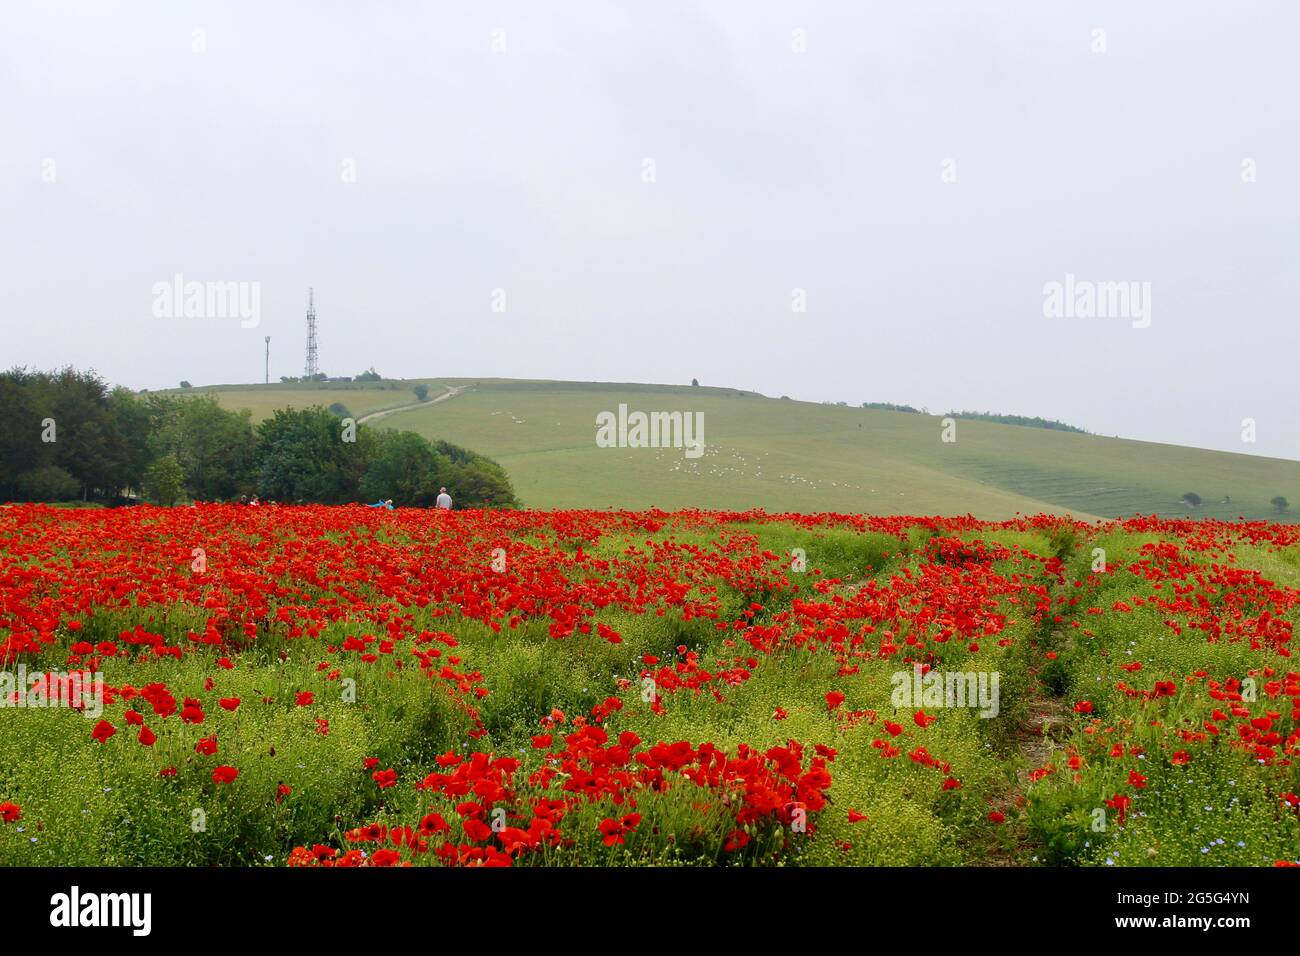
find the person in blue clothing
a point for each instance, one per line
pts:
(386, 503)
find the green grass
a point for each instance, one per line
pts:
(785, 455)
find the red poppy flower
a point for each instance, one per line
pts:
(736, 840)
(10, 812)
(146, 736)
(385, 778)
(476, 830)
(224, 774)
(103, 730)
(834, 699)
(433, 823)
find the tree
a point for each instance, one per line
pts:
(695, 383)
(186, 385)
(165, 480)
(369, 375)
(403, 467)
(213, 445)
(421, 392)
(1192, 498)
(474, 481)
(135, 422)
(21, 448)
(1280, 504)
(339, 409)
(61, 419)
(47, 483)
(306, 455)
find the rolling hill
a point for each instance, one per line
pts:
(782, 455)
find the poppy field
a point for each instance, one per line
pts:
(341, 686)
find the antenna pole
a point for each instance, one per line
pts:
(311, 335)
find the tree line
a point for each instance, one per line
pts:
(67, 435)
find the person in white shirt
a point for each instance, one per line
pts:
(444, 499)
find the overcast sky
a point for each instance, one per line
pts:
(409, 159)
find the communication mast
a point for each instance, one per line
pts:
(311, 336)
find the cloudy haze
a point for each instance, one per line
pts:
(648, 185)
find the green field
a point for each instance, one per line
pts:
(785, 455)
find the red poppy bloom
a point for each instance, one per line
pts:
(224, 774)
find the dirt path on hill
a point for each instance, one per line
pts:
(452, 392)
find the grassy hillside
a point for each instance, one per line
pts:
(361, 398)
(787, 455)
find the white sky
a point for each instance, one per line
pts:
(522, 170)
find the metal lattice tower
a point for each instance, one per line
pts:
(311, 335)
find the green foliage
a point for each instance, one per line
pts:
(1063, 539)
(306, 455)
(165, 480)
(421, 392)
(88, 444)
(890, 407)
(404, 467)
(47, 483)
(213, 445)
(1026, 420)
